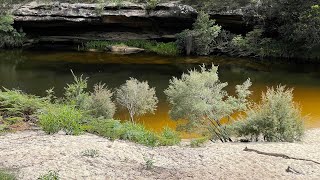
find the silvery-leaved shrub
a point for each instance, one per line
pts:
(199, 97)
(101, 102)
(137, 97)
(276, 118)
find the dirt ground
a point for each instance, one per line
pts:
(30, 154)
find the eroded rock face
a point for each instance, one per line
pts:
(107, 21)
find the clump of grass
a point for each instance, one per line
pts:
(51, 175)
(17, 103)
(114, 129)
(4, 175)
(198, 142)
(90, 153)
(149, 163)
(169, 137)
(61, 117)
(168, 49)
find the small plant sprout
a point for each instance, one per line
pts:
(90, 153)
(149, 163)
(137, 97)
(51, 175)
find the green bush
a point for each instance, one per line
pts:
(276, 118)
(101, 102)
(198, 142)
(6, 176)
(114, 129)
(201, 38)
(17, 103)
(61, 117)
(169, 137)
(9, 37)
(75, 93)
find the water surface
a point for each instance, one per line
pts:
(36, 71)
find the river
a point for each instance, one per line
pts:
(36, 71)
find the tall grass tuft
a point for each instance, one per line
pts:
(61, 117)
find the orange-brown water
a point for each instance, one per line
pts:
(35, 71)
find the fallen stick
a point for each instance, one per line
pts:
(290, 169)
(279, 155)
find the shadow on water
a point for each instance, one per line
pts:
(36, 71)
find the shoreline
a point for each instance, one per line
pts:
(30, 154)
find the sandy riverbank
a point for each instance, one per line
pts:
(32, 153)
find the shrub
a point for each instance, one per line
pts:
(254, 44)
(17, 103)
(6, 176)
(9, 37)
(51, 175)
(61, 117)
(169, 137)
(198, 142)
(168, 49)
(276, 118)
(75, 93)
(137, 97)
(200, 40)
(200, 98)
(101, 103)
(114, 129)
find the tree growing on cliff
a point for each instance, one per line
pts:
(9, 36)
(201, 39)
(137, 97)
(199, 97)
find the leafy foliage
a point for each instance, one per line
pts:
(17, 103)
(114, 129)
(101, 102)
(61, 117)
(277, 118)
(169, 137)
(198, 142)
(75, 93)
(137, 97)
(9, 37)
(200, 98)
(201, 38)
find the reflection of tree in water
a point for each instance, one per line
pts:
(9, 60)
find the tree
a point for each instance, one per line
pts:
(9, 36)
(199, 97)
(201, 38)
(137, 97)
(294, 23)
